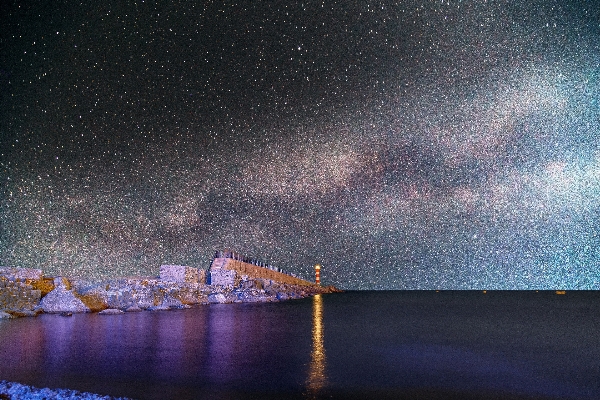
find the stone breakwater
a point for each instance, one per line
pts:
(28, 293)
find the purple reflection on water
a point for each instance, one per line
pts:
(198, 353)
(223, 339)
(397, 344)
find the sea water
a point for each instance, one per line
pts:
(396, 344)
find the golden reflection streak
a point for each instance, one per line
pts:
(316, 374)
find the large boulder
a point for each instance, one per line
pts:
(62, 300)
(5, 315)
(17, 296)
(118, 294)
(214, 298)
(171, 302)
(144, 299)
(121, 299)
(189, 293)
(168, 303)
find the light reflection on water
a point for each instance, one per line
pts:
(521, 344)
(317, 377)
(217, 351)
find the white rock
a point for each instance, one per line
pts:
(62, 300)
(217, 298)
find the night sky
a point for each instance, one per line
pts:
(407, 145)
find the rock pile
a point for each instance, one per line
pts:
(21, 290)
(18, 296)
(62, 299)
(141, 293)
(263, 290)
(28, 292)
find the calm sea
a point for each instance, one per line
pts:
(396, 344)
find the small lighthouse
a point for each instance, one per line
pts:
(318, 274)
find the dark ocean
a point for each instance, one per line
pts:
(383, 344)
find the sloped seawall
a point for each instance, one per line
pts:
(255, 271)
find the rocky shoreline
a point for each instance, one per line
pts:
(27, 292)
(18, 391)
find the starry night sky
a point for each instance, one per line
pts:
(407, 145)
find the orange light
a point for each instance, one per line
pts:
(318, 274)
(561, 292)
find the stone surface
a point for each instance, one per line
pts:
(171, 302)
(282, 296)
(111, 311)
(191, 294)
(26, 313)
(120, 299)
(252, 296)
(44, 285)
(182, 274)
(214, 298)
(62, 282)
(223, 277)
(5, 315)
(61, 300)
(21, 273)
(93, 301)
(254, 271)
(16, 295)
(159, 307)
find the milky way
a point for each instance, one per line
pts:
(418, 145)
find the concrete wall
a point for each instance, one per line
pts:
(223, 277)
(254, 271)
(182, 274)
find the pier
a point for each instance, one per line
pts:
(229, 268)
